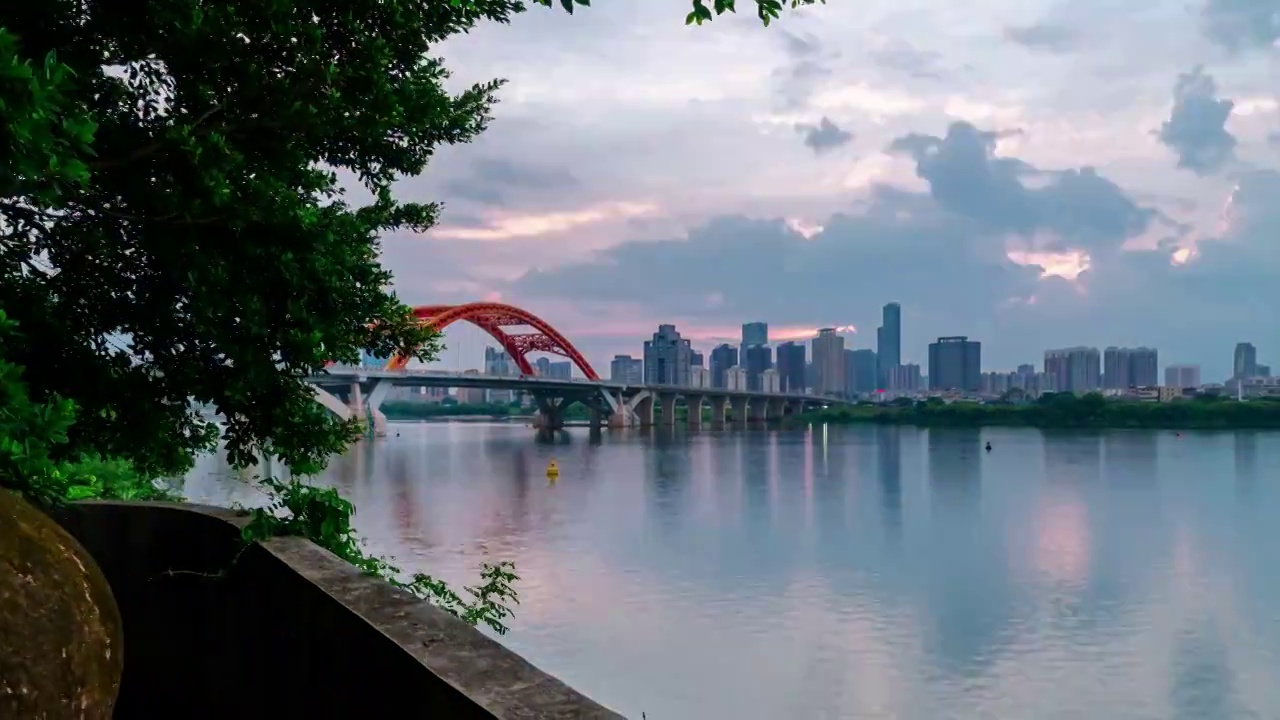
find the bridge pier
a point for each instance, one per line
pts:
(694, 404)
(667, 405)
(773, 409)
(643, 408)
(738, 407)
(550, 411)
(718, 403)
(755, 410)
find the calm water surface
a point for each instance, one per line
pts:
(855, 572)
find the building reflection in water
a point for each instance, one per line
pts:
(1132, 458)
(889, 474)
(1245, 454)
(667, 469)
(955, 472)
(1073, 456)
(968, 595)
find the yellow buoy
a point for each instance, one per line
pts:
(553, 470)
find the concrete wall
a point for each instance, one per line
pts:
(285, 629)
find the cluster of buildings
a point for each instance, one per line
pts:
(824, 366)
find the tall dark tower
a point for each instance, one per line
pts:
(888, 342)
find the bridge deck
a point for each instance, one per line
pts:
(443, 378)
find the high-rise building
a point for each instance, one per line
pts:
(1182, 376)
(1115, 368)
(723, 357)
(1124, 368)
(666, 358)
(1245, 363)
(888, 341)
(1264, 371)
(955, 363)
(756, 359)
(626, 369)
(1074, 369)
(827, 351)
(699, 377)
(755, 333)
(904, 378)
(770, 381)
(791, 362)
(544, 367)
(498, 362)
(695, 358)
(735, 378)
(864, 369)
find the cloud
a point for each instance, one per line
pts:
(1197, 126)
(1061, 210)
(491, 181)
(806, 67)
(1242, 25)
(824, 136)
(1045, 37)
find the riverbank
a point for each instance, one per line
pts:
(1065, 411)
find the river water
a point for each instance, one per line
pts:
(855, 571)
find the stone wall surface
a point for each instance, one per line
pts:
(214, 628)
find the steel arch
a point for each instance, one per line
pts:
(492, 318)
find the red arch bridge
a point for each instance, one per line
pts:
(359, 391)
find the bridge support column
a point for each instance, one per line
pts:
(694, 405)
(667, 405)
(738, 407)
(773, 409)
(718, 403)
(550, 412)
(755, 410)
(642, 408)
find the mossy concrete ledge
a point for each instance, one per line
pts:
(285, 629)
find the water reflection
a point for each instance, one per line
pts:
(852, 572)
(955, 472)
(1245, 456)
(889, 472)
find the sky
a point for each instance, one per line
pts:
(1031, 174)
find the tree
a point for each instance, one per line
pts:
(767, 10)
(173, 227)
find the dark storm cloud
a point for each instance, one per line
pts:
(1079, 207)
(1240, 25)
(493, 181)
(1197, 127)
(806, 67)
(1045, 37)
(824, 136)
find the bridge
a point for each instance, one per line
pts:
(359, 392)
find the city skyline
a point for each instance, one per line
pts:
(1020, 174)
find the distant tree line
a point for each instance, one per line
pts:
(1064, 410)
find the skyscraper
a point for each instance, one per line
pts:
(758, 358)
(791, 361)
(755, 333)
(827, 351)
(865, 367)
(888, 341)
(723, 357)
(955, 363)
(1130, 367)
(1182, 376)
(626, 369)
(695, 358)
(1074, 369)
(666, 358)
(1245, 363)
